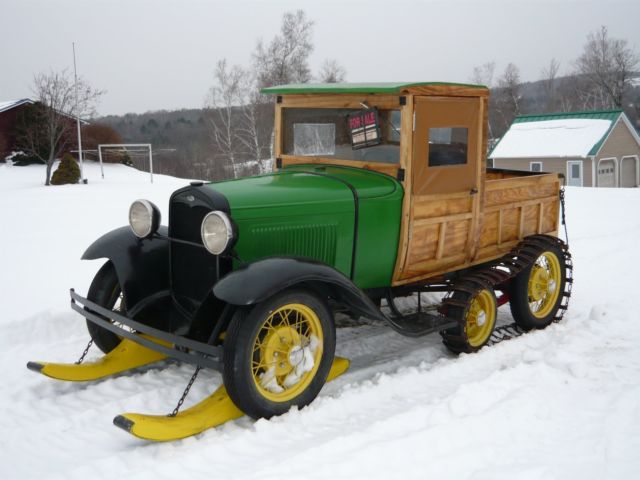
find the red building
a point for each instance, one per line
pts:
(9, 112)
(12, 111)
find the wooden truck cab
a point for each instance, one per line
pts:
(456, 213)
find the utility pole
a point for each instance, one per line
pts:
(75, 74)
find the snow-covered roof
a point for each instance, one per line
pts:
(556, 135)
(8, 105)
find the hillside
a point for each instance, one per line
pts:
(561, 403)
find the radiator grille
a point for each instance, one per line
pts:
(193, 269)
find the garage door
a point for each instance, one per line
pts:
(607, 173)
(628, 172)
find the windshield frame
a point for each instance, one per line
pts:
(356, 102)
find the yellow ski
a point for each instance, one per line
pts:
(125, 356)
(214, 410)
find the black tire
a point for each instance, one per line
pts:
(472, 335)
(523, 305)
(249, 330)
(105, 291)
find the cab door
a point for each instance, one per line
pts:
(446, 175)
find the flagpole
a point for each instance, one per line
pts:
(75, 74)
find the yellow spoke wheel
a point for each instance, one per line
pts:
(278, 353)
(536, 292)
(543, 286)
(287, 352)
(476, 316)
(481, 318)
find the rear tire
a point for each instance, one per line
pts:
(536, 292)
(105, 291)
(279, 353)
(477, 320)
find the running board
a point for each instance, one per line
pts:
(211, 412)
(126, 356)
(420, 324)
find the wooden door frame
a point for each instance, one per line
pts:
(472, 244)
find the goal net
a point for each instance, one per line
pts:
(134, 150)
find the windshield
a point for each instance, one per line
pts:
(324, 132)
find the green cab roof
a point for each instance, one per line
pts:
(373, 87)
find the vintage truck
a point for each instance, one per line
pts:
(379, 192)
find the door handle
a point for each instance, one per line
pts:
(473, 191)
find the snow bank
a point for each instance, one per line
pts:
(561, 403)
(551, 138)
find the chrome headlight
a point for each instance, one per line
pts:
(144, 218)
(217, 232)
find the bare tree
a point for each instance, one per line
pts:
(510, 85)
(285, 58)
(255, 123)
(483, 74)
(549, 76)
(607, 64)
(222, 104)
(332, 72)
(45, 130)
(507, 97)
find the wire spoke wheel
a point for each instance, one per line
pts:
(536, 292)
(543, 287)
(278, 353)
(287, 352)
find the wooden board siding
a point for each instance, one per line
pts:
(516, 208)
(442, 221)
(448, 91)
(513, 208)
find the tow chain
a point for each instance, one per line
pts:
(84, 354)
(562, 212)
(186, 392)
(499, 273)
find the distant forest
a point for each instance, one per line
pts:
(180, 139)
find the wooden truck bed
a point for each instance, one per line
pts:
(516, 206)
(445, 235)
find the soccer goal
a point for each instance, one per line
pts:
(133, 148)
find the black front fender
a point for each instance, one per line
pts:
(257, 281)
(142, 266)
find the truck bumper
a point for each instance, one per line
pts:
(184, 349)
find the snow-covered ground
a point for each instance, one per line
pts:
(562, 403)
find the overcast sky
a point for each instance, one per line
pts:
(160, 54)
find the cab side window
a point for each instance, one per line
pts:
(448, 146)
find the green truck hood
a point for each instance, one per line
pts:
(312, 211)
(303, 189)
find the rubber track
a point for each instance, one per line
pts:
(497, 273)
